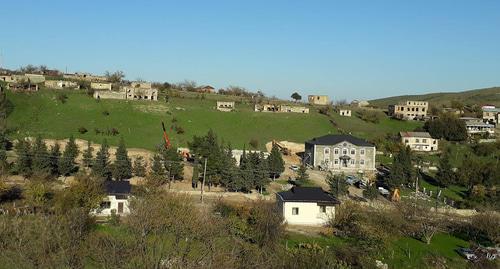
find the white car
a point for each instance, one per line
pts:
(294, 167)
(383, 191)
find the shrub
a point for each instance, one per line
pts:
(105, 113)
(179, 129)
(370, 116)
(62, 97)
(82, 130)
(254, 143)
(114, 131)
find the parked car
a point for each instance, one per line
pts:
(467, 253)
(383, 191)
(294, 167)
(351, 180)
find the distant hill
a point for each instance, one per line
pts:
(479, 97)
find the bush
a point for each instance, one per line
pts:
(254, 143)
(179, 129)
(370, 115)
(105, 113)
(82, 130)
(62, 97)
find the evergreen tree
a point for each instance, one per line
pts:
(302, 176)
(228, 168)
(101, 166)
(156, 176)
(122, 168)
(87, 155)
(55, 156)
(338, 185)
(262, 173)
(4, 166)
(41, 160)
(445, 175)
(276, 163)
(196, 176)
(24, 158)
(67, 161)
(173, 164)
(370, 192)
(402, 170)
(139, 167)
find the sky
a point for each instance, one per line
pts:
(344, 49)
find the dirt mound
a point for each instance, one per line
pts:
(292, 146)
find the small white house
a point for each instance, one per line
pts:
(306, 206)
(345, 112)
(117, 199)
(419, 141)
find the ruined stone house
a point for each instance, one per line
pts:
(280, 108)
(318, 99)
(61, 84)
(101, 86)
(225, 106)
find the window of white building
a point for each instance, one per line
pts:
(295, 210)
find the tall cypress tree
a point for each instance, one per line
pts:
(87, 155)
(24, 158)
(41, 160)
(55, 156)
(139, 167)
(67, 161)
(101, 165)
(276, 163)
(445, 175)
(122, 168)
(172, 162)
(156, 176)
(261, 173)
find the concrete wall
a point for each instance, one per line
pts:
(308, 213)
(141, 93)
(110, 95)
(345, 112)
(100, 86)
(61, 84)
(409, 110)
(35, 78)
(225, 106)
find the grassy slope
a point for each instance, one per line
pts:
(479, 96)
(139, 122)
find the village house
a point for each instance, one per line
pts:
(409, 110)
(360, 103)
(23, 86)
(280, 108)
(61, 84)
(340, 153)
(419, 141)
(116, 200)
(31, 78)
(225, 106)
(35, 78)
(205, 89)
(140, 91)
(491, 114)
(8, 78)
(306, 206)
(345, 112)
(318, 99)
(85, 76)
(476, 126)
(101, 86)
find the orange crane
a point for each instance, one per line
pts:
(165, 136)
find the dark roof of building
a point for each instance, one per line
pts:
(117, 187)
(307, 194)
(336, 139)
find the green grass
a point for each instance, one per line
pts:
(139, 122)
(411, 253)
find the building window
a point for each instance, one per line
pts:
(353, 151)
(336, 151)
(417, 140)
(105, 205)
(344, 151)
(322, 208)
(352, 161)
(362, 152)
(327, 151)
(295, 210)
(362, 162)
(336, 161)
(424, 140)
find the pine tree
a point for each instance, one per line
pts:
(156, 176)
(87, 155)
(24, 158)
(172, 162)
(261, 173)
(122, 168)
(338, 185)
(276, 163)
(196, 176)
(445, 175)
(402, 170)
(302, 176)
(41, 160)
(67, 161)
(55, 156)
(139, 167)
(101, 166)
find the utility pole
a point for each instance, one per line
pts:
(203, 182)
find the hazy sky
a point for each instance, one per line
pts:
(345, 49)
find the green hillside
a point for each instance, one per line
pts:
(479, 97)
(139, 122)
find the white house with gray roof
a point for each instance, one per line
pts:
(340, 153)
(419, 141)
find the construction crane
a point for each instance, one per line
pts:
(165, 136)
